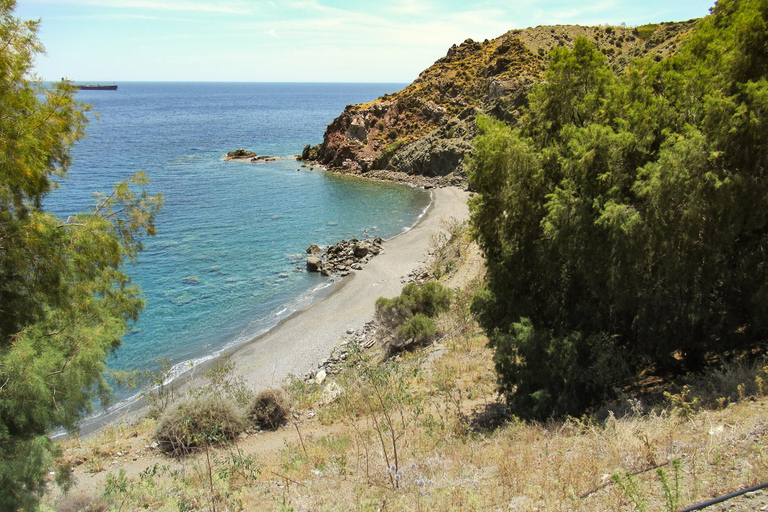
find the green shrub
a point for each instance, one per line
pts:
(420, 328)
(645, 31)
(198, 423)
(408, 317)
(268, 410)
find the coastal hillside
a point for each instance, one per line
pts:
(427, 128)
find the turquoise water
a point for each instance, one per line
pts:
(228, 259)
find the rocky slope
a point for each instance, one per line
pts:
(427, 128)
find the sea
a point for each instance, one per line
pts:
(228, 260)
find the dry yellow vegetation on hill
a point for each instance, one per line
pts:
(424, 430)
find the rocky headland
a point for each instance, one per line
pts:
(422, 134)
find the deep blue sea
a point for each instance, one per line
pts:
(227, 262)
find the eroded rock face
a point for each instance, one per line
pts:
(441, 152)
(356, 130)
(415, 131)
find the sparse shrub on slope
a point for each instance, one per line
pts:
(409, 317)
(268, 410)
(197, 423)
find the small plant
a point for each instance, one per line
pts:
(159, 391)
(222, 383)
(630, 488)
(671, 490)
(409, 316)
(239, 468)
(683, 403)
(671, 493)
(420, 328)
(268, 410)
(760, 382)
(116, 486)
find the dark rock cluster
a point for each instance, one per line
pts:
(242, 155)
(344, 257)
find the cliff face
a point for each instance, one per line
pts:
(427, 128)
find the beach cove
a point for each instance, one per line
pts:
(301, 342)
(298, 343)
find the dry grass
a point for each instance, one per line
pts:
(421, 431)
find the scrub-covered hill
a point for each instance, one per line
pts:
(427, 128)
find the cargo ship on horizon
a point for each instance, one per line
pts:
(96, 87)
(90, 87)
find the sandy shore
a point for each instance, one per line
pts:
(298, 343)
(301, 341)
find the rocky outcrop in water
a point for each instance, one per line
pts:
(241, 155)
(344, 257)
(314, 264)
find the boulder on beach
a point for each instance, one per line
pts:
(360, 250)
(314, 250)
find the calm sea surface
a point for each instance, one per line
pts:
(228, 259)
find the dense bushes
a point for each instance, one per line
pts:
(409, 316)
(625, 221)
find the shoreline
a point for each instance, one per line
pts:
(304, 339)
(298, 343)
(414, 180)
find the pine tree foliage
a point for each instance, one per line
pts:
(65, 299)
(624, 221)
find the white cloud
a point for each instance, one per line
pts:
(584, 13)
(333, 40)
(410, 7)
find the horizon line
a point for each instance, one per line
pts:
(108, 82)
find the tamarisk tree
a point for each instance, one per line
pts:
(65, 299)
(625, 220)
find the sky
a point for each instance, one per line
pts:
(387, 41)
